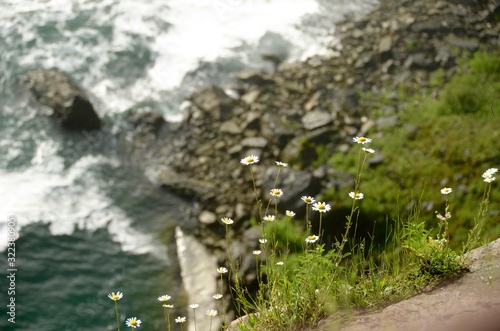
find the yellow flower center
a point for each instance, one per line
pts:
(115, 297)
(321, 206)
(362, 139)
(250, 159)
(133, 322)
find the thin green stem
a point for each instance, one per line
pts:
(320, 221)
(194, 316)
(168, 319)
(255, 192)
(117, 318)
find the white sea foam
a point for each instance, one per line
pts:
(67, 200)
(85, 38)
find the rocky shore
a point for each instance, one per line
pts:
(286, 115)
(300, 112)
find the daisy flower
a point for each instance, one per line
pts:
(180, 319)
(368, 150)
(257, 252)
(168, 306)
(280, 263)
(164, 298)
(115, 296)
(194, 305)
(489, 179)
(362, 140)
(308, 199)
(247, 160)
(133, 322)
(446, 190)
(227, 220)
(312, 239)
(441, 217)
(490, 172)
(356, 196)
(263, 241)
(269, 218)
(222, 270)
(211, 313)
(217, 296)
(276, 192)
(281, 164)
(321, 207)
(289, 213)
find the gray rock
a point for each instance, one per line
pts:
(146, 121)
(316, 119)
(250, 97)
(385, 48)
(470, 45)
(197, 264)
(277, 129)
(255, 142)
(71, 107)
(230, 126)
(207, 217)
(387, 122)
(214, 101)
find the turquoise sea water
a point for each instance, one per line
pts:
(88, 222)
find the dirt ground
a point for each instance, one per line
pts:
(470, 303)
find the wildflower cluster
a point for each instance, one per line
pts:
(488, 175)
(134, 322)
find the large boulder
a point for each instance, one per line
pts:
(71, 107)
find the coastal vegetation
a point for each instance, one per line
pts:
(410, 219)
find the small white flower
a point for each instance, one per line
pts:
(276, 192)
(257, 252)
(227, 220)
(281, 164)
(447, 215)
(490, 172)
(368, 150)
(362, 140)
(115, 296)
(290, 213)
(280, 263)
(308, 199)
(222, 270)
(168, 306)
(180, 319)
(269, 218)
(211, 313)
(263, 241)
(489, 179)
(247, 160)
(356, 195)
(446, 190)
(133, 322)
(321, 207)
(217, 296)
(441, 217)
(312, 239)
(194, 305)
(164, 298)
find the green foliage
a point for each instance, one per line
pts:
(433, 148)
(475, 90)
